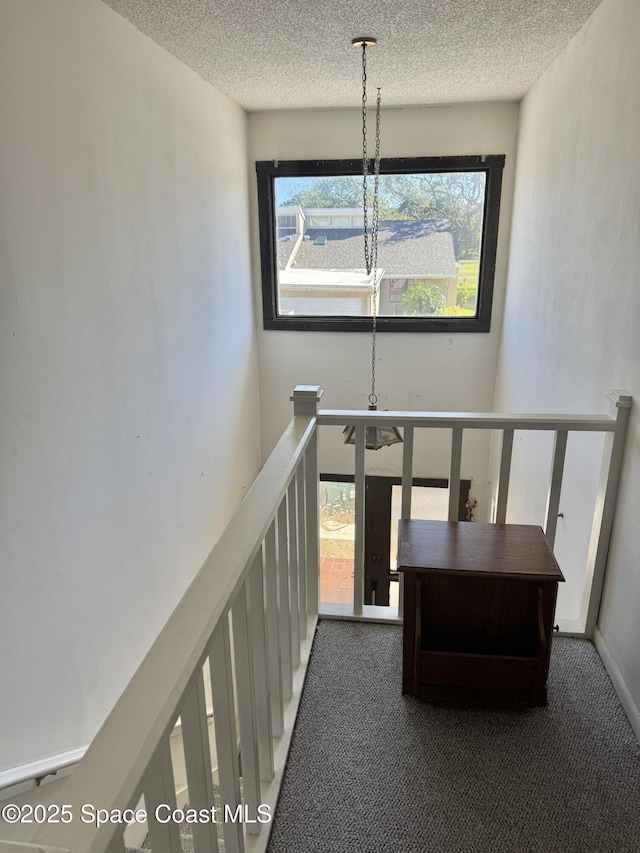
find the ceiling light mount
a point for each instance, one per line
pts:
(364, 41)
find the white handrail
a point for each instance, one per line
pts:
(40, 769)
(467, 420)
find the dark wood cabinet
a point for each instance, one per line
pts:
(479, 608)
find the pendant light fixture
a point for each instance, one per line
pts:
(375, 437)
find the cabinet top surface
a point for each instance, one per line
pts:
(504, 550)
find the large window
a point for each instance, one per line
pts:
(438, 227)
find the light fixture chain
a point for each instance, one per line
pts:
(370, 239)
(375, 437)
(373, 399)
(365, 160)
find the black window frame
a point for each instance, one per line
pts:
(268, 170)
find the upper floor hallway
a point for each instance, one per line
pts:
(142, 394)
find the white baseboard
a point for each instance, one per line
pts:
(135, 833)
(271, 790)
(631, 709)
(370, 613)
(570, 628)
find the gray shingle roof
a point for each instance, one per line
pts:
(415, 247)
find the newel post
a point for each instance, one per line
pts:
(605, 508)
(305, 400)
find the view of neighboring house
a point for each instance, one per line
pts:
(321, 266)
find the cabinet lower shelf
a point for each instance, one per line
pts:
(452, 669)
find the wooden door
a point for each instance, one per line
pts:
(377, 541)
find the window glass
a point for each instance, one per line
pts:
(436, 245)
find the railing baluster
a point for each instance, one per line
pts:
(358, 556)
(197, 755)
(505, 473)
(620, 404)
(284, 625)
(260, 668)
(302, 548)
(407, 491)
(224, 718)
(407, 472)
(454, 474)
(273, 637)
(159, 790)
(246, 707)
(555, 486)
(292, 503)
(313, 524)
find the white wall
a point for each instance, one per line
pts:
(128, 374)
(573, 301)
(414, 371)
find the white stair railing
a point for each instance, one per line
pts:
(250, 619)
(613, 425)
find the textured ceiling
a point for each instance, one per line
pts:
(270, 54)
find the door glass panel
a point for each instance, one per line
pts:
(428, 503)
(337, 537)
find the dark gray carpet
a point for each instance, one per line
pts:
(370, 770)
